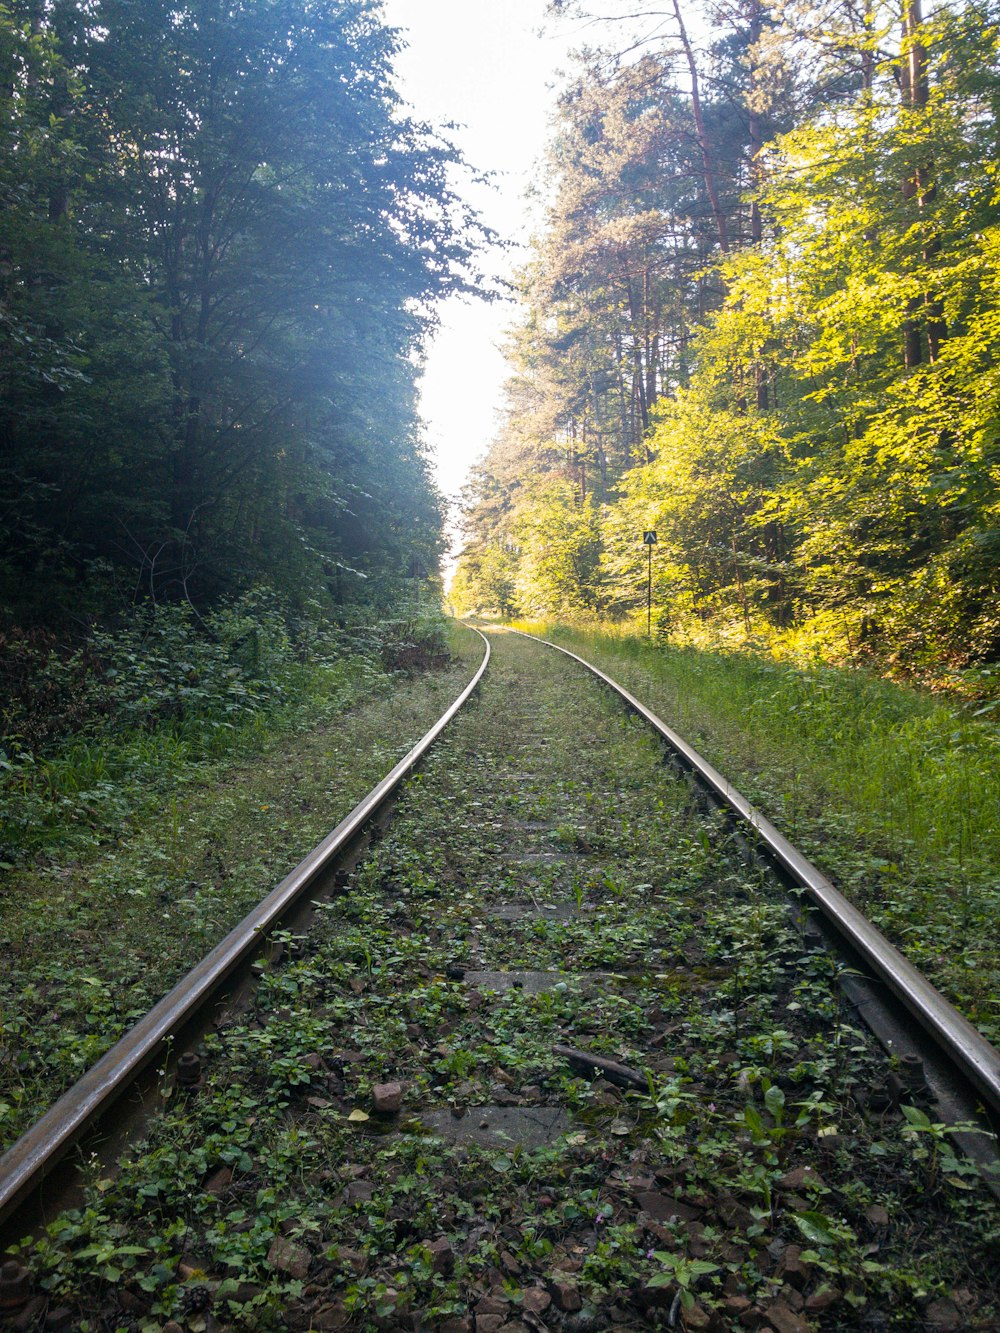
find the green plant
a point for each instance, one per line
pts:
(680, 1271)
(931, 1144)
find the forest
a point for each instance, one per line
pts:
(221, 238)
(761, 319)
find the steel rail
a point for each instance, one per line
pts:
(31, 1157)
(963, 1044)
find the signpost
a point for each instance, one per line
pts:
(649, 538)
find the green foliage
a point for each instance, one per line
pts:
(89, 732)
(805, 406)
(221, 240)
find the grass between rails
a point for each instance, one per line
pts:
(95, 935)
(750, 1184)
(894, 793)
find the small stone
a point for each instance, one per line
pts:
(442, 1256)
(509, 1264)
(802, 1177)
(698, 1317)
(792, 1269)
(353, 1259)
(735, 1305)
(287, 1257)
(532, 1093)
(63, 1318)
(313, 1061)
(171, 1326)
(877, 1215)
(565, 1295)
(132, 1304)
(734, 1213)
(943, 1314)
(489, 1323)
(823, 1297)
(784, 1319)
(535, 1301)
(753, 1318)
(359, 1191)
(219, 1180)
(488, 1305)
(655, 1298)
(246, 1292)
(330, 1317)
(387, 1097)
(664, 1208)
(457, 1325)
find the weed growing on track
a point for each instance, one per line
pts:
(750, 1180)
(892, 792)
(95, 934)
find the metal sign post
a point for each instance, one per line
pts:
(649, 538)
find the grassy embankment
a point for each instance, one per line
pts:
(893, 792)
(129, 850)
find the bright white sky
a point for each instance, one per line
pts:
(485, 65)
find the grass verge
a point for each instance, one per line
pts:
(892, 792)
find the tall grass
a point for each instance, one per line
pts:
(893, 791)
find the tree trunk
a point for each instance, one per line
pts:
(709, 173)
(918, 186)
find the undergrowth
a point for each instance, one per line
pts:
(94, 734)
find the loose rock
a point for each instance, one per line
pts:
(387, 1097)
(287, 1257)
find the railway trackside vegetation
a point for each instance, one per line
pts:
(546, 881)
(892, 791)
(191, 780)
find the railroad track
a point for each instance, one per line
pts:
(560, 977)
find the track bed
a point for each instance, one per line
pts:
(403, 1130)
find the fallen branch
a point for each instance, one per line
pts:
(583, 1062)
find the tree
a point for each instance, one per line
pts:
(250, 212)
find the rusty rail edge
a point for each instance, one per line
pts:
(963, 1044)
(30, 1158)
